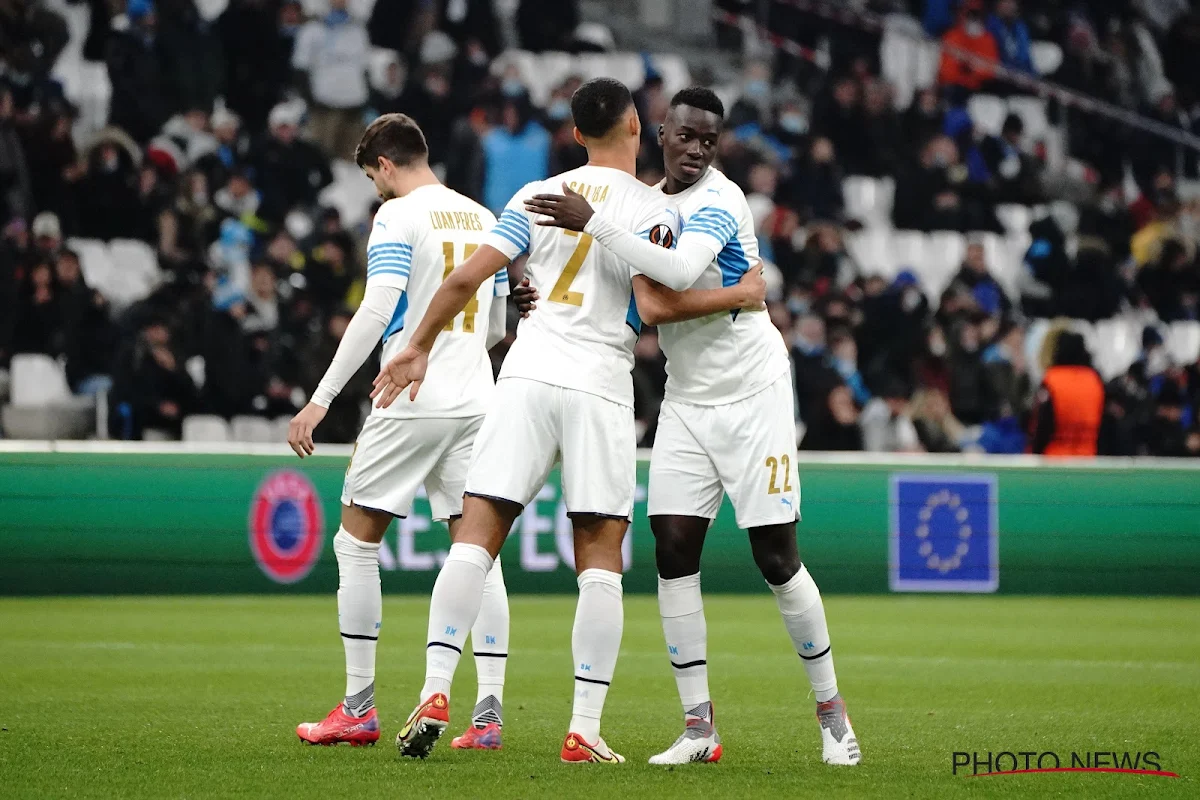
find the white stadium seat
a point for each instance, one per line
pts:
(1014, 217)
(350, 193)
(870, 248)
(94, 261)
(1183, 342)
(1032, 111)
(943, 257)
(1117, 343)
(863, 200)
(253, 429)
(38, 380)
(205, 428)
(1047, 57)
(987, 112)
(909, 250)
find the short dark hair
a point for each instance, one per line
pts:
(701, 98)
(598, 105)
(396, 137)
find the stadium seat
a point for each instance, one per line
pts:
(1047, 57)
(987, 112)
(205, 428)
(1117, 343)
(909, 250)
(253, 429)
(95, 261)
(1183, 341)
(674, 71)
(279, 429)
(898, 61)
(38, 380)
(1032, 111)
(863, 200)
(350, 193)
(870, 248)
(210, 10)
(944, 257)
(1014, 217)
(5, 385)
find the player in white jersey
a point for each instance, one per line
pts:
(419, 234)
(565, 392)
(725, 425)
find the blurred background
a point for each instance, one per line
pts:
(966, 209)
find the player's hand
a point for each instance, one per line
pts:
(755, 287)
(405, 370)
(300, 429)
(567, 210)
(526, 297)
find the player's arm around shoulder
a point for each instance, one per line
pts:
(659, 305)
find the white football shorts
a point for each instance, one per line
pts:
(745, 449)
(393, 457)
(532, 424)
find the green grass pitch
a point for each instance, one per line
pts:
(198, 697)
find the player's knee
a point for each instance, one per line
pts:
(775, 553)
(676, 549)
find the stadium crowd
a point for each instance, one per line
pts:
(221, 136)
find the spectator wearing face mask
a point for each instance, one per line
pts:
(754, 105)
(1069, 406)
(516, 152)
(141, 94)
(334, 52)
(969, 36)
(108, 198)
(290, 171)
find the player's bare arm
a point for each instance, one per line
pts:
(409, 366)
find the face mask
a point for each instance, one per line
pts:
(806, 347)
(559, 110)
(937, 347)
(757, 89)
(974, 27)
(512, 87)
(111, 164)
(795, 124)
(337, 18)
(910, 300)
(845, 367)
(940, 160)
(200, 198)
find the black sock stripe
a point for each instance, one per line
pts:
(443, 644)
(593, 680)
(818, 655)
(491, 655)
(359, 636)
(689, 664)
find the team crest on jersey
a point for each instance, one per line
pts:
(287, 529)
(662, 235)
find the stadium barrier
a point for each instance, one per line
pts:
(100, 518)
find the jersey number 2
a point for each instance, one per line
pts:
(472, 308)
(561, 293)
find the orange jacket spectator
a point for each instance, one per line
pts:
(971, 36)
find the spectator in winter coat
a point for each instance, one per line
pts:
(151, 389)
(516, 152)
(257, 39)
(141, 92)
(971, 36)
(90, 335)
(334, 51)
(834, 426)
(16, 198)
(290, 171)
(1012, 36)
(547, 24)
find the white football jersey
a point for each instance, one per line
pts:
(582, 334)
(728, 356)
(415, 242)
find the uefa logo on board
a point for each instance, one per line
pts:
(287, 529)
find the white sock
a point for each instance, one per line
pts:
(804, 617)
(457, 594)
(360, 613)
(595, 645)
(489, 641)
(682, 610)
